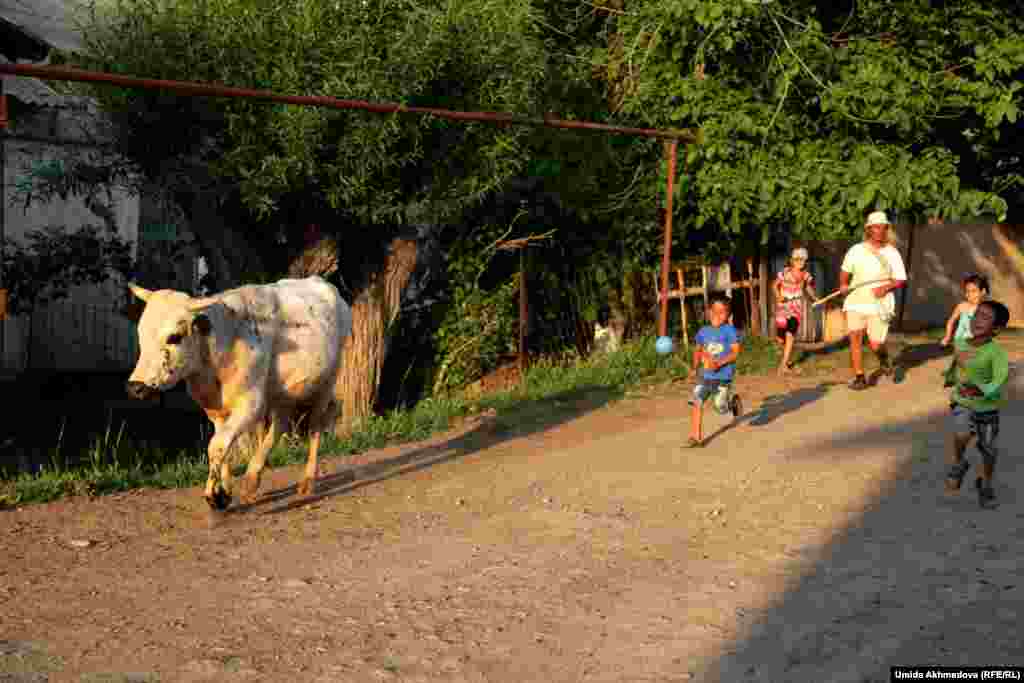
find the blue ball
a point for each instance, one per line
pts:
(663, 345)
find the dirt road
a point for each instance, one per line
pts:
(809, 542)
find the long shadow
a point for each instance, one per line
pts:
(773, 407)
(523, 419)
(922, 578)
(915, 355)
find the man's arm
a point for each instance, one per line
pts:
(882, 290)
(844, 281)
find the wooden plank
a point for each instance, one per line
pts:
(682, 310)
(762, 276)
(704, 287)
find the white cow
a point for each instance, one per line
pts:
(251, 357)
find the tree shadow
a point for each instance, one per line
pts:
(521, 419)
(921, 577)
(915, 355)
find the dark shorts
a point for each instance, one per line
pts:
(791, 326)
(967, 421)
(719, 390)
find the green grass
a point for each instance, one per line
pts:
(552, 392)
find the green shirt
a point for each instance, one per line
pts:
(986, 367)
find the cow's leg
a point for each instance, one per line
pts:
(319, 420)
(211, 481)
(251, 483)
(220, 445)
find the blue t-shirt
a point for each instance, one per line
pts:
(718, 342)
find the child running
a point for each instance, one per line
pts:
(790, 286)
(717, 347)
(982, 371)
(975, 290)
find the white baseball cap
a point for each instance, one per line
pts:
(877, 218)
(799, 253)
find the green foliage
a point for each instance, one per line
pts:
(52, 260)
(463, 54)
(480, 323)
(814, 112)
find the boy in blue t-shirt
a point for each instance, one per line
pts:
(716, 350)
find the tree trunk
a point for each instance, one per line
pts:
(373, 312)
(231, 257)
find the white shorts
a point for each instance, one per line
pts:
(877, 329)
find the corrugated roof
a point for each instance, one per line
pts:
(52, 21)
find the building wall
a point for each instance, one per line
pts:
(84, 332)
(945, 253)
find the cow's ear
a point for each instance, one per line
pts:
(201, 324)
(140, 292)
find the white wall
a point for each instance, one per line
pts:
(75, 334)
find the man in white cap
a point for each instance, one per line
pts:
(872, 306)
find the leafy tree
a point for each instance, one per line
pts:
(251, 174)
(814, 112)
(50, 261)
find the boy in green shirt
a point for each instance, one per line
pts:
(982, 370)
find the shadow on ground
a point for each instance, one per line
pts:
(773, 407)
(923, 578)
(523, 419)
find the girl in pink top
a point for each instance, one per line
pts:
(790, 286)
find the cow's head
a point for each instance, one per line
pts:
(172, 332)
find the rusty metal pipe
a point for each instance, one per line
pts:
(61, 73)
(670, 152)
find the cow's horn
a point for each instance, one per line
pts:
(200, 304)
(140, 292)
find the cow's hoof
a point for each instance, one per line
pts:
(306, 487)
(219, 500)
(250, 492)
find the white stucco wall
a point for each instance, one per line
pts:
(79, 333)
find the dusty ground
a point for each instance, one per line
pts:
(809, 542)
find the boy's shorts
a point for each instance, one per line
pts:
(877, 329)
(982, 424)
(719, 390)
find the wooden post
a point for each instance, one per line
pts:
(523, 314)
(762, 281)
(704, 286)
(685, 322)
(752, 322)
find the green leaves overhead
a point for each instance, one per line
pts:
(460, 54)
(814, 112)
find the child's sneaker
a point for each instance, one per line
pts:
(986, 496)
(859, 383)
(956, 474)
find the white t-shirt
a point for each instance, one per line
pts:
(863, 266)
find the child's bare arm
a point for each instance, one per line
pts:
(951, 323)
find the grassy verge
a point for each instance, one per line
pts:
(552, 392)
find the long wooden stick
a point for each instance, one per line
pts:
(836, 293)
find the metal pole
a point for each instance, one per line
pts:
(670, 148)
(61, 73)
